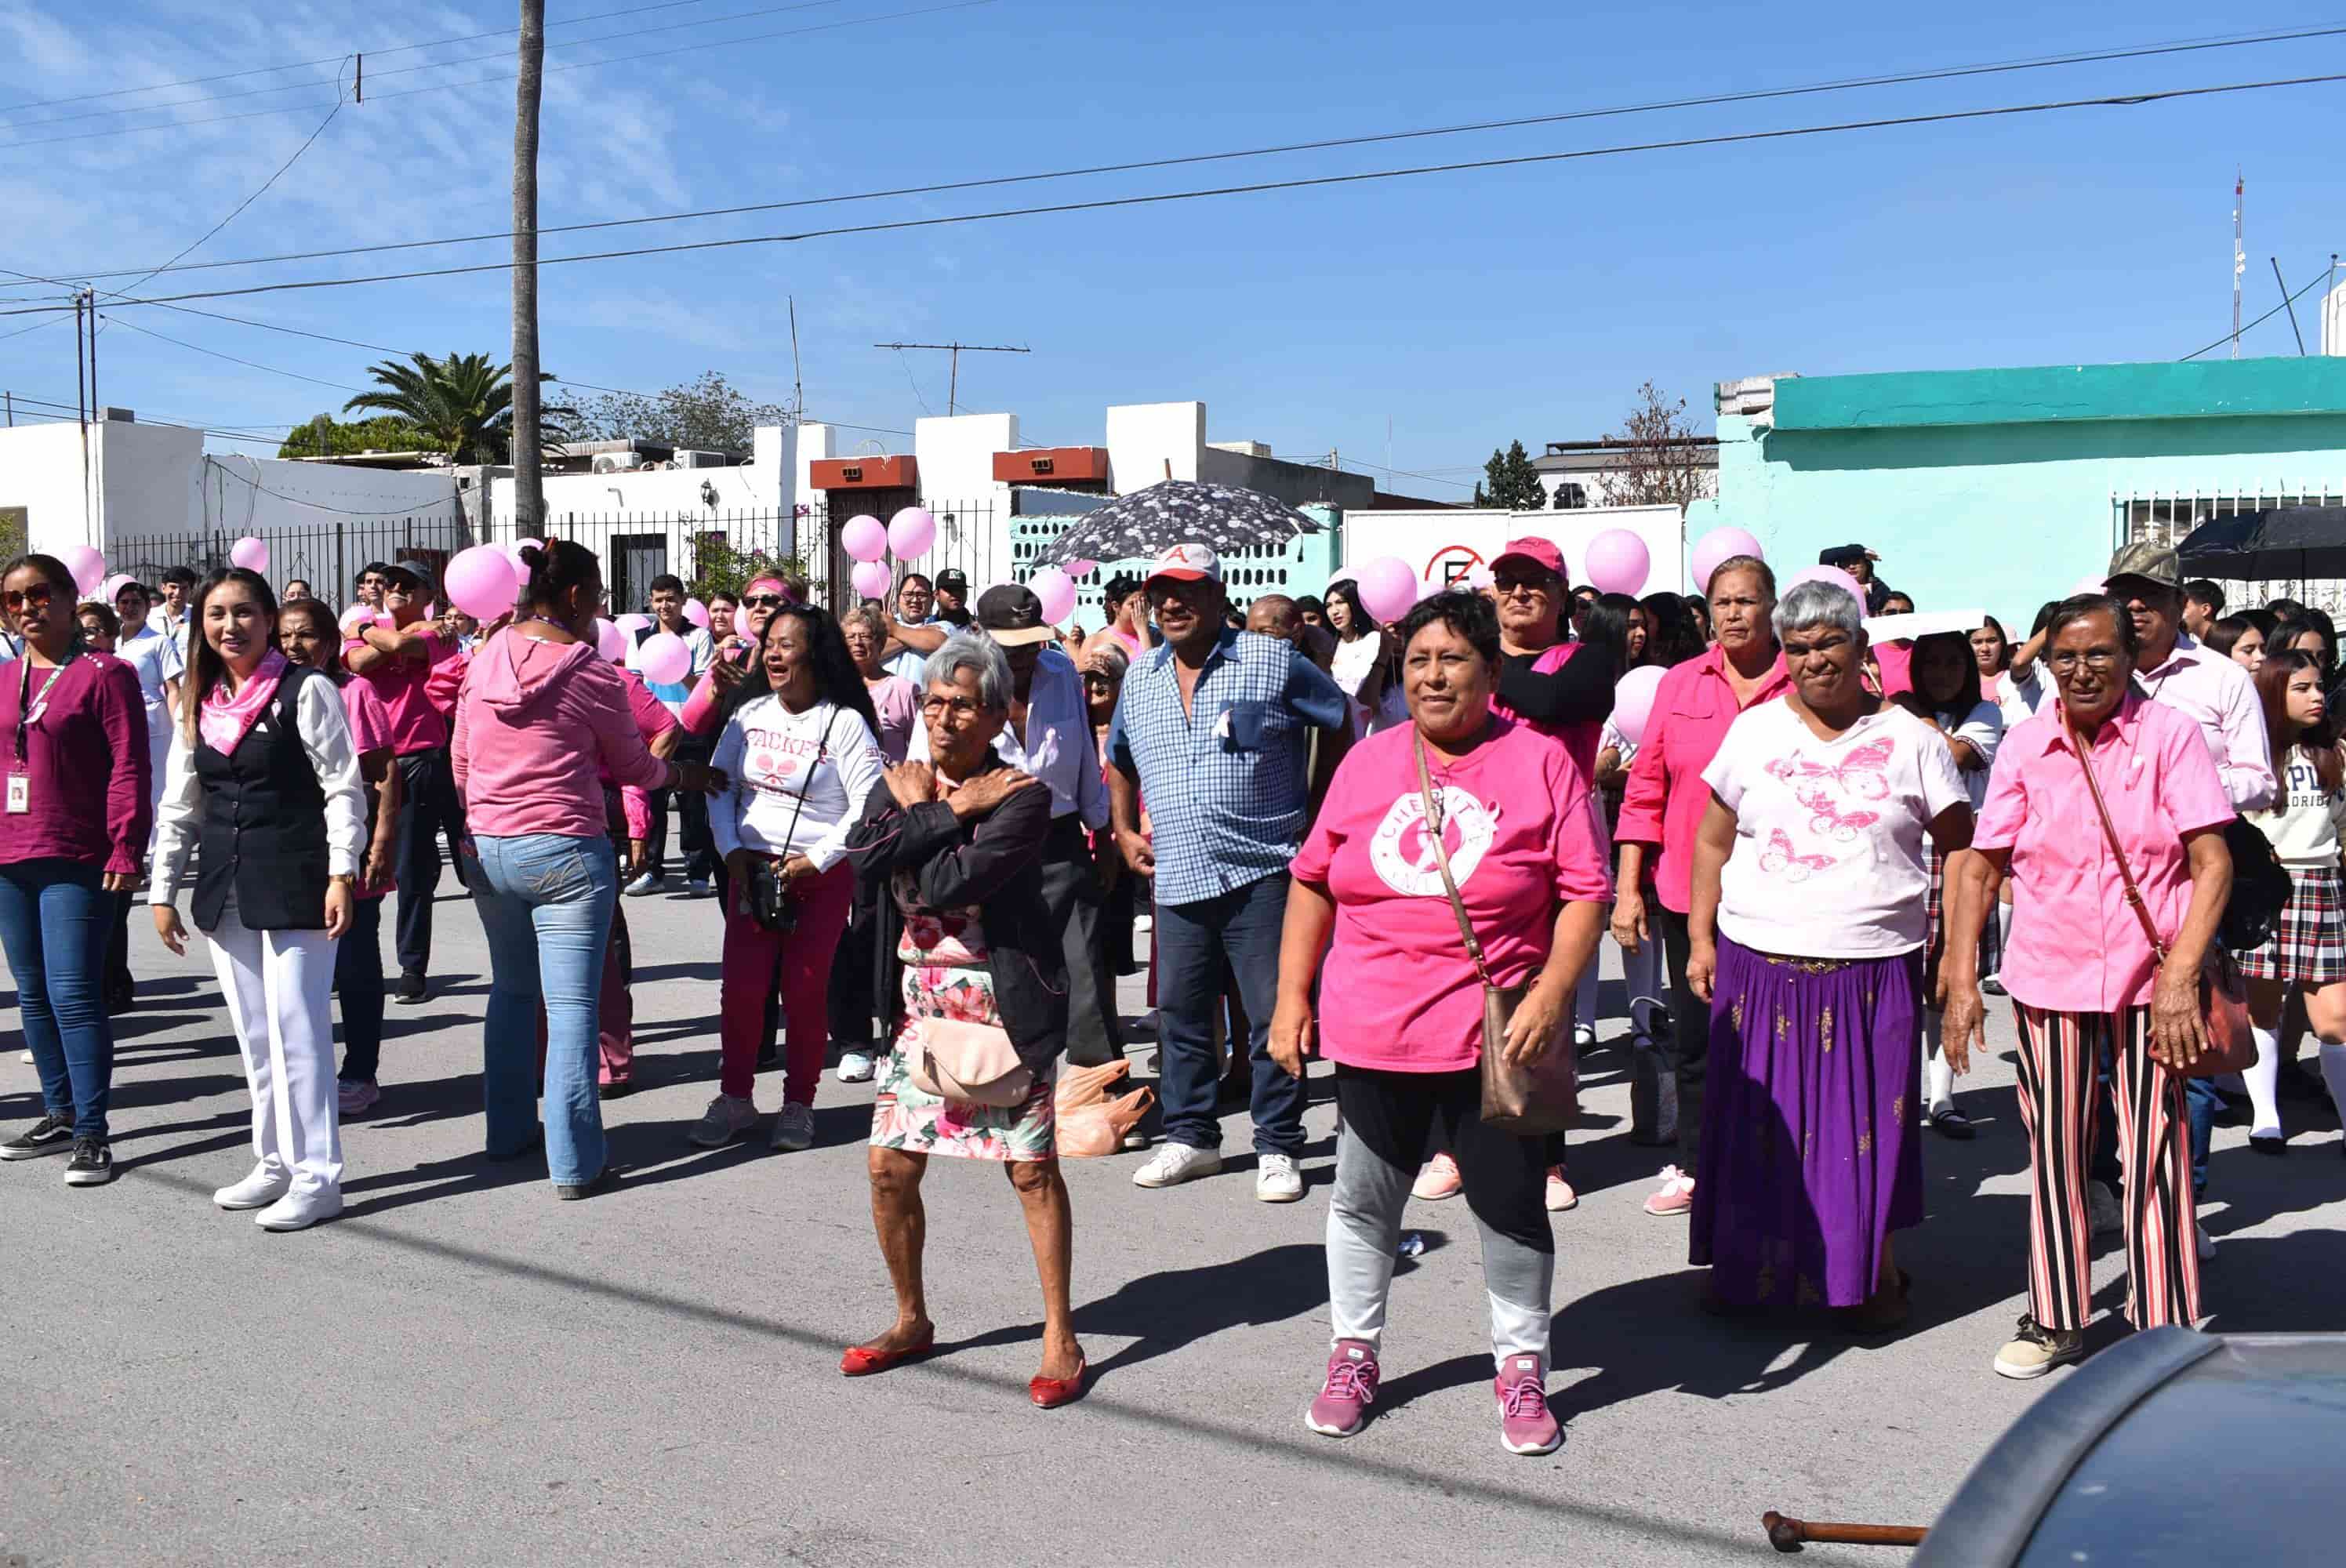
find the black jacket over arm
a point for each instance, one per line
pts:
(995, 863)
(1578, 691)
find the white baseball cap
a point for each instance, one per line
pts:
(1188, 562)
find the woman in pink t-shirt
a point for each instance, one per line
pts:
(1518, 821)
(2082, 973)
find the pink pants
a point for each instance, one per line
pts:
(803, 957)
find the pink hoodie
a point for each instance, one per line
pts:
(531, 715)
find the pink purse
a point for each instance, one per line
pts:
(973, 1063)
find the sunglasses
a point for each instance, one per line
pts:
(763, 602)
(39, 597)
(1099, 682)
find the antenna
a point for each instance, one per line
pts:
(2240, 255)
(952, 387)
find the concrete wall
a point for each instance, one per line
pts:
(1996, 487)
(1148, 441)
(1445, 545)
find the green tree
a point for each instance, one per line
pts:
(324, 436)
(707, 413)
(1511, 482)
(720, 566)
(462, 405)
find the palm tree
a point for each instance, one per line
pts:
(461, 404)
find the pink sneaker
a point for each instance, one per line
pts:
(1524, 1424)
(1438, 1180)
(1560, 1193)
(1343, 1407)
(356, 1096)
(1677, 1194)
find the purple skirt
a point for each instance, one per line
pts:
(1808, 1154)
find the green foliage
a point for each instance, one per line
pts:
(720, 566)
(326, 437)
(462, 405)
(1510, 481)
(705, 413)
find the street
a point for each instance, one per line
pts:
(462, 1369)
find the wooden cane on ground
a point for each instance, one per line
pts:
(1788, 1534)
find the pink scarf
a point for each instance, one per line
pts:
(223, 720)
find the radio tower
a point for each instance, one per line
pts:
(2239, 256)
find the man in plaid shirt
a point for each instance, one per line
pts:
(1214, 730)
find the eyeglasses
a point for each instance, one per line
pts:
(959, 707)
(2068, 659)
(763, 602)
(1099, 682)
(38, 596)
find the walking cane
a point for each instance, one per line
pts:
(1787, 1534)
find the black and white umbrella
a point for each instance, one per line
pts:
(1144, 523)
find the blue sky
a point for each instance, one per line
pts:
(1457, 311)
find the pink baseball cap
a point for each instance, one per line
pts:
(1542, 553)
(1187, 563)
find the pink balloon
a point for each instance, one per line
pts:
(1388, 587)
(355, 619)
(483, 582)
(662, 660)
(610, 641)
(870, 579)
(1081, 568)
(1719, 544)
(250, 553)
(431, 610)
(111, 589)
(911, 533)
(865, 537)
(1633, 701)
(1616, 562)
(1833, 575)
(632, 624)
(696, 612)
(87, 566)
(1058, 592)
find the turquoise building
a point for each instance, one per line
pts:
(2005, 487)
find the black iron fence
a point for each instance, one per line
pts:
(709, 549)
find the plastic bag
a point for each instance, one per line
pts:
(1092, 1119)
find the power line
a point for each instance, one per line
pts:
(485, 81)
(331, 59)
(2319, 279)
(250, 364)
(2129, 100)
(1324, 144)
(425, 65)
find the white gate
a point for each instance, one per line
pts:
(2170, 515)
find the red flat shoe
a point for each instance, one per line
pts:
(1050, 1393)
(862, 1360)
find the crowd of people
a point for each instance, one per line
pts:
(939, 829)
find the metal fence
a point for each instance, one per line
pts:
(2170, 515)
(708, 548)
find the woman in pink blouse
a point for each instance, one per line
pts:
(71, 839)
(2082, 973)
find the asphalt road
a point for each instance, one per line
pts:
(463, 1370)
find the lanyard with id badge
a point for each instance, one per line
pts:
(28, 713)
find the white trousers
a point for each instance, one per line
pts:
(279, 987)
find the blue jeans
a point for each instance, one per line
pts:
(56, 920)
(1240, 927)
(546, 902)
(2201, 1104)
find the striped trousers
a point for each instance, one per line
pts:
(2058, 1054)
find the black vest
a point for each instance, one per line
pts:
(264, 822)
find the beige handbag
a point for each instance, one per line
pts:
(1542, 1097)
(973, 1063)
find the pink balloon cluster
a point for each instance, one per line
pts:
(871, 579)
(868, 541)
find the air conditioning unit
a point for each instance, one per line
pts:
(620, 463)
(690, 458)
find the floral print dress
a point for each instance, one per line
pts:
(945, 976)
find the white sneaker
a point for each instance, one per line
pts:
(1582, 1037)
(727, 1118)
(854, 1067)
(301, 1210)
(650, 882)
(1177, 1163)
(1276, 1179)
(264, 1186)
(2206, 1243)
(26, 1057)
(793, 1129)
(2102, 1206)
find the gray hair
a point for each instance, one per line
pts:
(1815, 603)
(1118, 659)
(973, 651)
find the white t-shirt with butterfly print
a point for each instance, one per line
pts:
(1828, 834)
(796, 781)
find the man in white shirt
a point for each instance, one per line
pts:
(170, 617)
(667, 602)
(1049, 736)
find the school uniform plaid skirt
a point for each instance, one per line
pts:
(2308, 946)
(1991, 958)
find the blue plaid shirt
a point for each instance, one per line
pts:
(1224, 782)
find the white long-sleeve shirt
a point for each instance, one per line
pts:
(325, 731)
(1059, 746)
(2217, 696)
(773, 757)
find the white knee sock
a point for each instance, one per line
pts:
(2003, 930)
(2333, 1073)
(2264, 1081)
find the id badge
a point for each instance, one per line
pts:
(20, 793)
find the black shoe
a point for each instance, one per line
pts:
(618, 1091)
(410, 988)
(92, 1164)
(1953, 1123)
(603, 1181)
(2272, 1144)
(120, 999)
(53, 1134)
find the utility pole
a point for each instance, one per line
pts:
(2240, 255)
(529, 490)
(953, 386)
